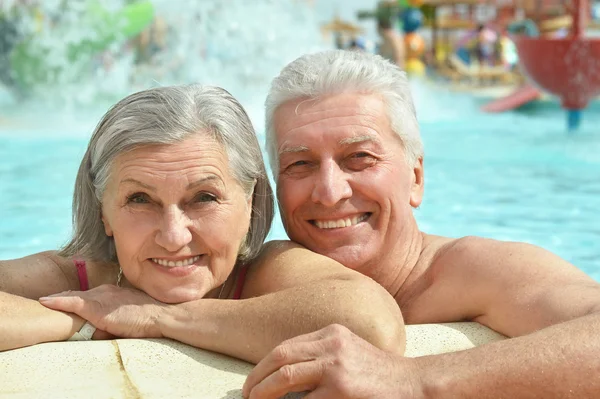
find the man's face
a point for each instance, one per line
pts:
(344, 187)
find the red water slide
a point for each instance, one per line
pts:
(521, 96)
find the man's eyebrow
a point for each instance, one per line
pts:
(287, 150)
(359, 139)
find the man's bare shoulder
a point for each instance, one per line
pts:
(486, 280)
(490, 257)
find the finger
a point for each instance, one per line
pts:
(319, 393)
(64, 293)
(311, 336)
(70, 304)
(284, 354)
(102, 335)
(298, 377)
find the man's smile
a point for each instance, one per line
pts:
(341, 222)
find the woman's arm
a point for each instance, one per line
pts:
(289, 291)
(23, 320)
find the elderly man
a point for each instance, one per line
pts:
(346, 154)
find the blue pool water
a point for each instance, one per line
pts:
(514, 176)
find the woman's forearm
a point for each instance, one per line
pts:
(25, 322)
(251, 328)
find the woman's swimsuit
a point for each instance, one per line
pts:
(84, 285)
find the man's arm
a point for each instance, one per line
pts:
(559, 361)
(289, 291)
(549, 306)
(522, 291)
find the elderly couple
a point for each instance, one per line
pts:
(171, 208)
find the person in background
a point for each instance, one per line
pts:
(346, 154)
(171, 207)
(391, 45)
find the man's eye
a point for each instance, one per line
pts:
(360, 160)
(205, 197)
(361, 155)
(297, 168)
(138, 198)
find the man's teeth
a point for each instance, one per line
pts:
(179, 263)
(334, 224)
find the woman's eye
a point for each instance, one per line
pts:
(299, 163)
(361, 155)
(205, 197)
(138, 198)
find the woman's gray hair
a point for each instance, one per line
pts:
(167, 115)
(340, 71)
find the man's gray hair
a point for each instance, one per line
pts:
(340, 71)
(168, 115)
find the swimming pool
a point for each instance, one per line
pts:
(516, 176)
(513, 176)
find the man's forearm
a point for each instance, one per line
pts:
(249, 328)
(557, 362)
(25, 322)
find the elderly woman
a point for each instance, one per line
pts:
(171, 207)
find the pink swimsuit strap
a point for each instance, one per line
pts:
(82, 275)
(240, 282)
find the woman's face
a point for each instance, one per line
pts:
(178, 217)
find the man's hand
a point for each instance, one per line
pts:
(332, 363)
(122, 312)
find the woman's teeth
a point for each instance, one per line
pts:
(179, 263)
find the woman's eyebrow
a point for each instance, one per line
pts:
(199, 182)
(190, 186)
(130, 180)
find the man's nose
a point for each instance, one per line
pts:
(331, 185)
(174, 232)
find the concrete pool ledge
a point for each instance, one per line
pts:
(161, 368)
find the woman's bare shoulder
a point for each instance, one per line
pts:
(46, 273)
(36, 275)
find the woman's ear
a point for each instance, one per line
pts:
(107, 229)
(251, 199)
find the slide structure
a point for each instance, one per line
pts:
(523, 95)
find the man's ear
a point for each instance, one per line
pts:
(418, 184)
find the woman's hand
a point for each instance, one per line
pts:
(122, 312)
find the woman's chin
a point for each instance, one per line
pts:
(178, 295)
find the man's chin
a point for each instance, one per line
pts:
(350, 256)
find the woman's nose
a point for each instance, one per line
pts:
(174, 232)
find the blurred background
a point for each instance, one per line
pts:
(506, 93)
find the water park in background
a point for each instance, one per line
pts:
(528, 48)
(522, 49)
(505, 90)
